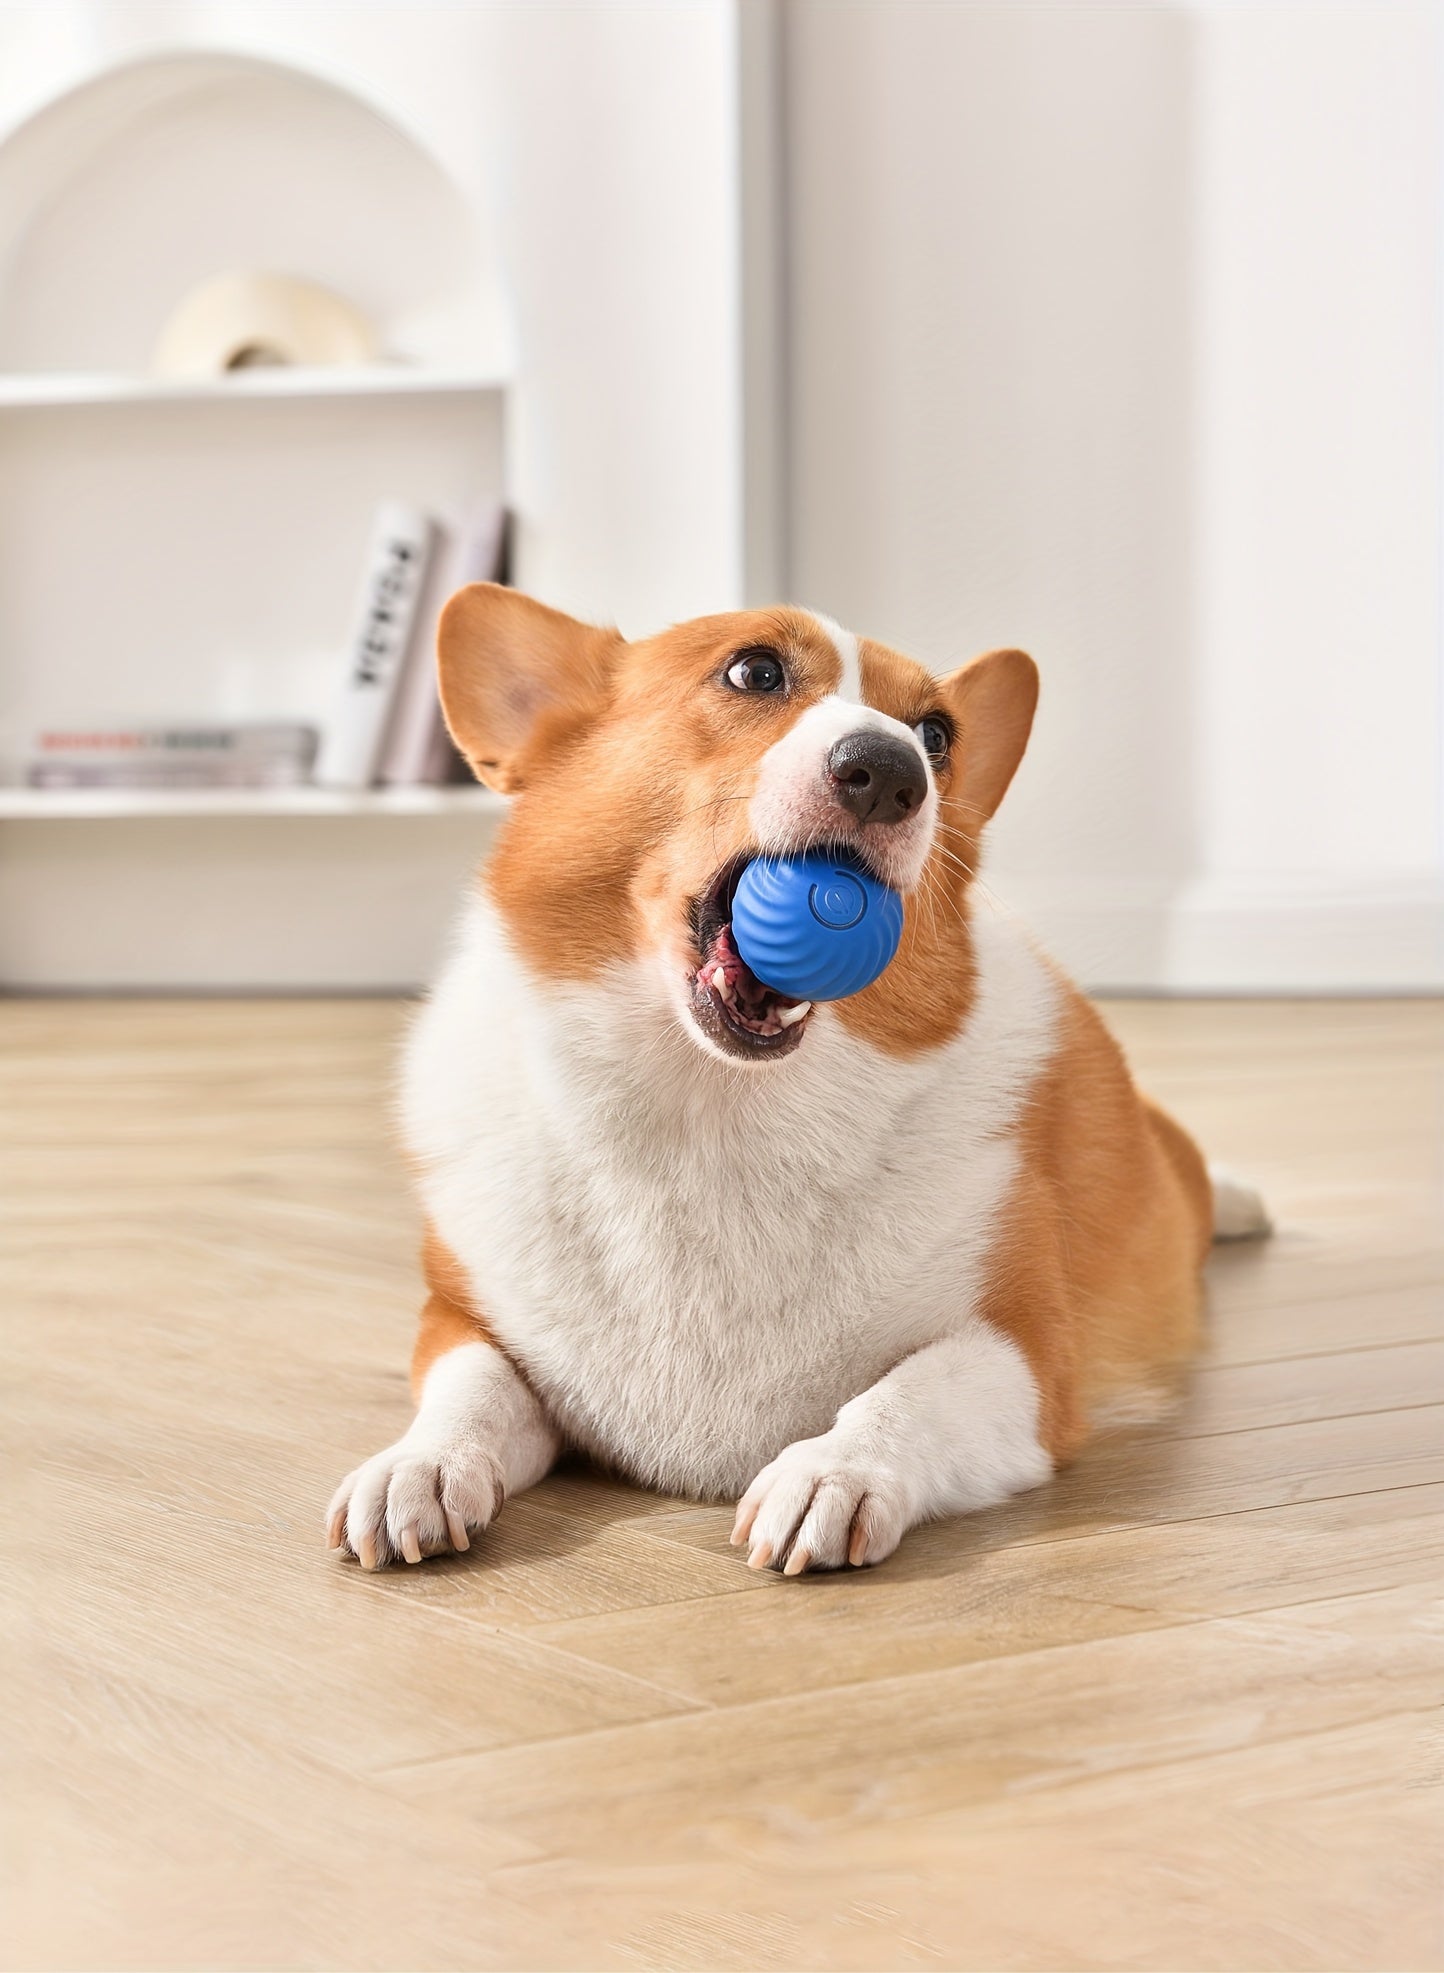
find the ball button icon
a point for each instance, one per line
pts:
(838, 903)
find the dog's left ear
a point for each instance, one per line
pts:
(992, 701)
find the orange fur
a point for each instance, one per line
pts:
(923, 997)
(1105, 1235)
(448, 1315)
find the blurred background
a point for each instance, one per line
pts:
(1114, 332)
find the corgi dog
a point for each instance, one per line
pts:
(854, 1265)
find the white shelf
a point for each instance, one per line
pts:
(94, 804)
(36, 390)
(195, 542)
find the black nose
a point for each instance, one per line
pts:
(878, 778)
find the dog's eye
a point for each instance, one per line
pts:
(756, 671)
(936, 737)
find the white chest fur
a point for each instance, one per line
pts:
(695, 1265)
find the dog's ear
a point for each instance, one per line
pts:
(992, 701)
(514, 674)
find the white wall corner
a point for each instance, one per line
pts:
(763, 250)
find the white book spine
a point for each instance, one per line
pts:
(401, 541)
(418, 747)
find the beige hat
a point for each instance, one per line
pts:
(245, 321)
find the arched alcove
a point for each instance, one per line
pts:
(123, 195)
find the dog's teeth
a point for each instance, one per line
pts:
(787, 1015)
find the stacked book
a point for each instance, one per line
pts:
(386, 725)
(240, 756)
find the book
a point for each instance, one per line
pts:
(222, 741)
(263, 772)
(392, 583)
(242, 755)
(418, 749)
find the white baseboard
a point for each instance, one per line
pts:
(1217, 936)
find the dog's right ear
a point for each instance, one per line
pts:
(514, 673)
(992, 701)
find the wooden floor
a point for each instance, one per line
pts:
(1175, 1710)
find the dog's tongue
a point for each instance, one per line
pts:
(755, 1005)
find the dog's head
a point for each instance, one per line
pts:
(648, 774)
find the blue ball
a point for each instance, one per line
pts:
(815, 927)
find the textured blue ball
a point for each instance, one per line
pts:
(816, 927)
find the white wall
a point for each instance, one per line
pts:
(617, 172)
(1318, 420)
(1117, 334)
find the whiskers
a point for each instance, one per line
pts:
(947, 878)
(970, 870)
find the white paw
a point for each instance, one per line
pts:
(414, 1500)
(818, 1506)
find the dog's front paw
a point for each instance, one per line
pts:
(414, 1500)
(820, 1505)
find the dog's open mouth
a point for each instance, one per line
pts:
(729, 1002)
